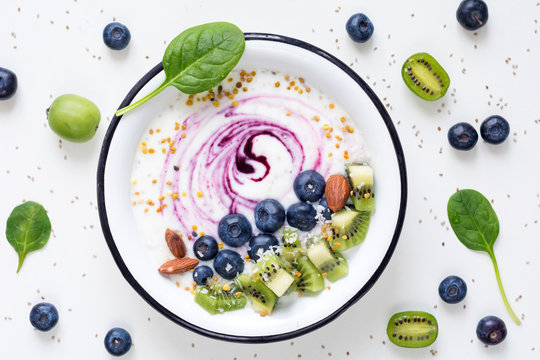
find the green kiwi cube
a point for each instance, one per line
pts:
(331, 264)
(361, 178)
(275, 274)
(311, 280)
(261, 297)
(215, 300)
(349, 228)
(291, 246)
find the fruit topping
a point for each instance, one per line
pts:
(331, 264)
(337, 192)
(73, 118)
(228, 264)
(291, 248)
(412, 329)
(309, 186)
(274, 273)
(302, 215)
(205, 248)
(175, 243)
(261, 243)
(234, 230)
(44, 316)
(311, 281)
(452, 289)
(325, 211)
(8, 83)
(359, 27)
(491, 330)
(117, 341)
(462, 136)
(116, 36)
(425, 77)
(349, 228)
(472, 14)
(261, 297)
(495, 129)
(269, 215)
(363, 195)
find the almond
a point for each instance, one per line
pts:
(337, 192)
(177, 266)
(175, 243)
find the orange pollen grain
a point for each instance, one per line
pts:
(308, 89)
(235, 103)
(199, 194)
(328, 135)
(194, 227)
(276, 84)
(316, 118)
(184, 194)
(288, 113)
(331, 106)
(216, 103)
(183, 127)
(151, 151)
(220, 245)
(325, 127)
(330, 154)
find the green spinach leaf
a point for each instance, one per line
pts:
(28, 229)
(198, 59)
(476, 225)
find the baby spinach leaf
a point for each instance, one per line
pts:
(198, 59)
(28, 229)
(476, 225)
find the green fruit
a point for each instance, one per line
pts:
(291, 246)
(74, 118)
(275, 274)
(330, 263)
(311, 280)
(425, 76)
(349, 228)
(261, 297)
(361, 178)
(412, 329)
(214, 299)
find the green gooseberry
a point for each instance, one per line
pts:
(74, 118)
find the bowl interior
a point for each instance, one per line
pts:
(295, 315)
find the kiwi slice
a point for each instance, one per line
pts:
(349, 228)
(331, 264)
(412, 329)
(261, 297)
(275, 274)
(214, 299)
(311, 280)
(425, 76)
(361, 178)
(291, 247)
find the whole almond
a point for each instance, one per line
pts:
(175, 243)
(337, 192)
(178, 266)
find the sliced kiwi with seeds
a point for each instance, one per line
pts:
(330, 263)
(349, 228)
(261, 297)
(362, 193)
(275, 274)
(412, 329)
(425, 76)
(291, 246)
(213, 298)
(311, 281)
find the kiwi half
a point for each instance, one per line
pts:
(261, 297)
(349, 228)
(291, 246)
(361, 178)
(212, 298)
(328, 262)
(274, 273)
(311, 280)
(412, 329)
(425, 76)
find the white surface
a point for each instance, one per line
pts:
(76, 272)
(131, 238)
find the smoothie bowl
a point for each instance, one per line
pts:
(202, 168)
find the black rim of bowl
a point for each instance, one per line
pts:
(261, 338)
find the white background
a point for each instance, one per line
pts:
(56, 48)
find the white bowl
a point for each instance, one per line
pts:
(366, 262)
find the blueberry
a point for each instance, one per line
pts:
(261, 243)
(228, 264)
(327, 213)
(43, 316)
(359, 27)
(269, 215)
(201, 274)
(462, 136)
(491, 330)
(117, 341)
(116, 36)
(309, 186)
(452, 289)
(495, 129)
(234, 230)
(301, 216)
(205, 248)
(8, 83)
(472, 14)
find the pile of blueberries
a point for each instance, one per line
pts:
(235, 229)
